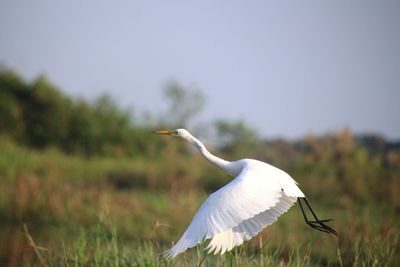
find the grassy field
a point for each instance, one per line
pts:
(60, 210)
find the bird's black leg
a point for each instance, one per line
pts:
(310, 223)
(317, 224)
(321, 222)
(314, 224)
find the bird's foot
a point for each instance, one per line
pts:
(322, 221)
(319, 225)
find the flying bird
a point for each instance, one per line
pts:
(238, 211)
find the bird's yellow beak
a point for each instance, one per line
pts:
(165, 132)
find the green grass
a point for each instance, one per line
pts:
(59, 210)
(101, 246)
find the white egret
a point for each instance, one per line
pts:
(238, 211)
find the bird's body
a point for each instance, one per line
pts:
(238, 211)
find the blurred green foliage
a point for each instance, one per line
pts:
(38, 115)
(183, 104)
(68, 165)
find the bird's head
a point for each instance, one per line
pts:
(177, 132)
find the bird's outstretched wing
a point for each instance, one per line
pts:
(236, 212)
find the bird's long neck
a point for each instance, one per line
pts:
(220, 163)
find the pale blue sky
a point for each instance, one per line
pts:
(285, 67)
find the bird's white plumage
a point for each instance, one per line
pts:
(258, 195)
(241, 209)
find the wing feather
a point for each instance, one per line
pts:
(236, 212)
(249, 228)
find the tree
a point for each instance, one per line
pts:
(184, 104)
(47, 114)
(236, 138)
(11, 113)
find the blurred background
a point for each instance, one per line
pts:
(310, 87)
